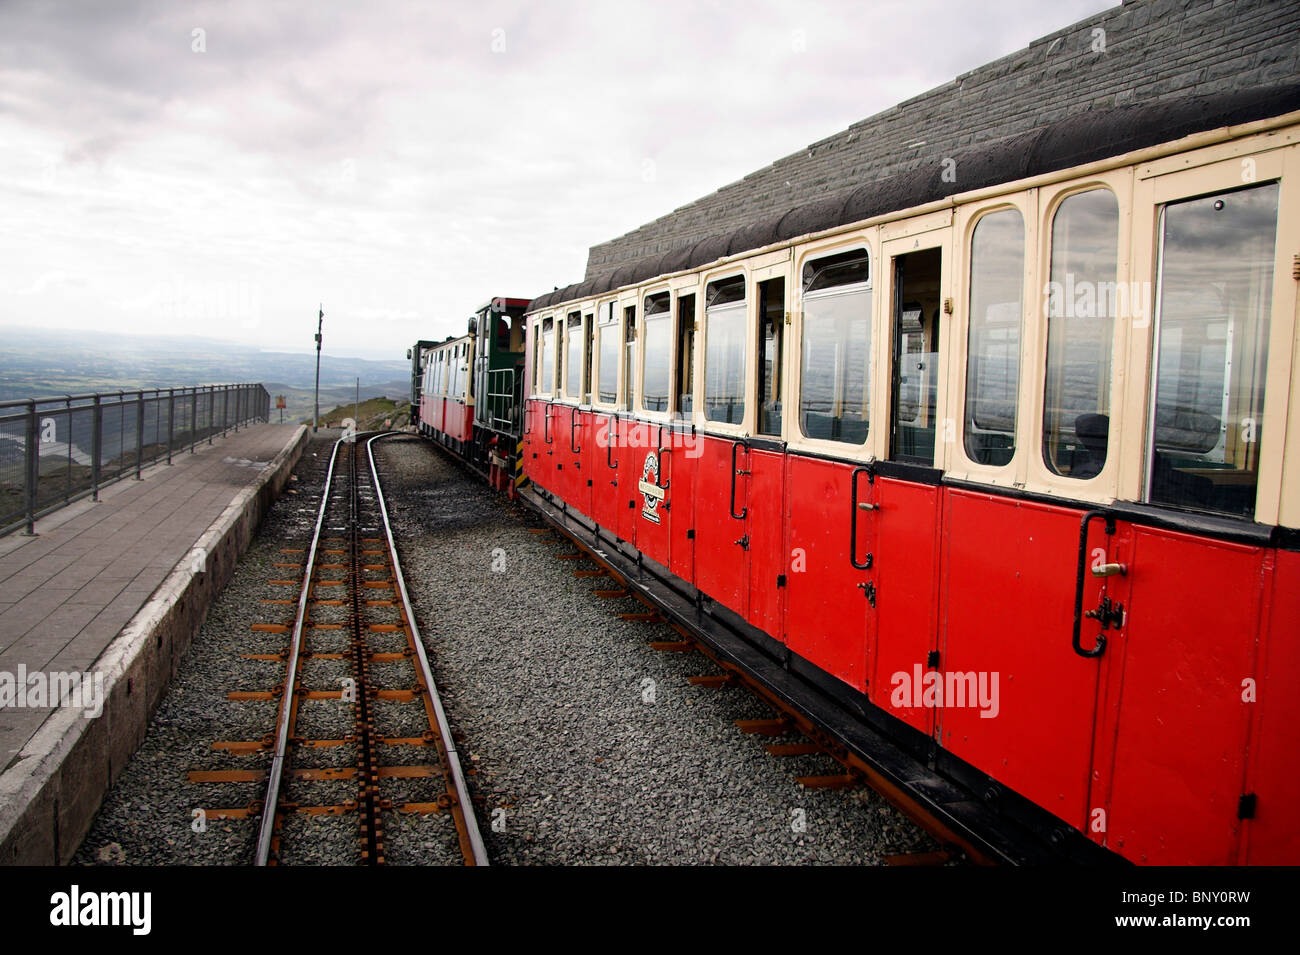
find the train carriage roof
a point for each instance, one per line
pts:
(1085, 137)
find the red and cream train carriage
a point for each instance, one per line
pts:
(1007, 469)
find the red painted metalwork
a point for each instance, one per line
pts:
(826, 618)
(721, 545)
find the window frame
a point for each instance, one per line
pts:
(643, 293)
(596, 361)
(542, 388)
(868, 240)
(628, 299)
(954, 457)
(1158, 184)
(745, 427)
(1104, 486)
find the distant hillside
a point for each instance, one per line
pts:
(372, 415)
(36, 362)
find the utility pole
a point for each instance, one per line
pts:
(356, 407)
(320, 323)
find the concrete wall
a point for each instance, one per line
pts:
(1154, 50)
(50, 794)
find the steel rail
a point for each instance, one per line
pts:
(470, 822)
(275, 773)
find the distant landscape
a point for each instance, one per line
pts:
(36, 363)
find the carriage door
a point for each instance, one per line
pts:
(1221, 333)
(766, 526)
(901, 503)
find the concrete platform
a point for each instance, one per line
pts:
(110, 593)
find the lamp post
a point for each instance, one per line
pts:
(320, 323)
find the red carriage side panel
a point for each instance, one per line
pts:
(606, 470)
(649, 495)
(460, 420)
(679, 467)
(721, 564)
(630, 460)
(1180, 751)
(532, 439)
(826, 609)
(1007, 605)
(765, 529)
(569, 454)
(543, 465)
(904, 543)
(1272, 837)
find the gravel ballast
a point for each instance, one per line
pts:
(586, 745)
(582, 744)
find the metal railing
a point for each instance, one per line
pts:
(54, 451)
(497, 408)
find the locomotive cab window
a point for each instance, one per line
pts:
(997, 278)
(1081, 299)
(1213, 304)
(724, 350)
(835, 360)
(607, 349)
(771, 338)
(656, 351)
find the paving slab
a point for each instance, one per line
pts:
(81, 579)
(109, 590)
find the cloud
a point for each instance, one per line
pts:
(405, 162)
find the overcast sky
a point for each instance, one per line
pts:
(219, 169)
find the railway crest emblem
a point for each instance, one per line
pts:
(652, 493)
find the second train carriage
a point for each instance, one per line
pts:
(1010, 469)
(468, 390)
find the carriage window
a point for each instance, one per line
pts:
(607, 350)
(835, 362)
(724, 351)
(1080, 303)
(685, 353)
(997, 278)
(771, 337)
(629, 355)
(656, 351)
(546, 382)
(573, 356)
(1214, 300)
(588, 331)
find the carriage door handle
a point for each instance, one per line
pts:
(610, 432)
(660, 453)
(1108, 614)
(856, 506)
(734, 472)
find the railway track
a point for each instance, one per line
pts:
(352, 614)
